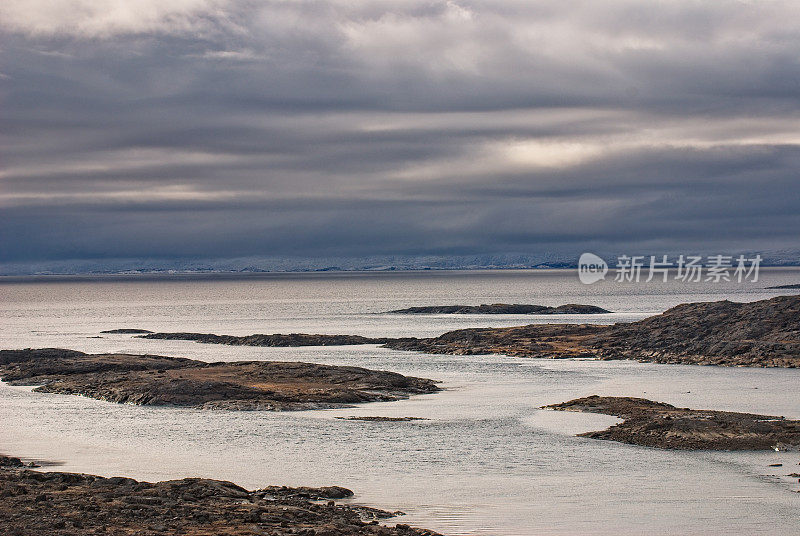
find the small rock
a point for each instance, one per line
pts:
(8, 461)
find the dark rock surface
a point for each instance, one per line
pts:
(10, 461)
(504, 309)
(303, 492)
(535, 340)
(382, 419)
(795, 285)
(764, 333)
(278, 339)
(245, 385)
(42, 365)
(655, 424)
(127, 330)
(69, 504)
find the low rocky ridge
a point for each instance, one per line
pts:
(505, 309)
(761, 333)
(43, 365)
(169, 381)
(535, 340)
(655, 424)
(10, 461)
(68, 504)
(381, 419)
(129, 331)
(278, 339)
(792, 286)
(764, 333)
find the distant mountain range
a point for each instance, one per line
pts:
(335, 264)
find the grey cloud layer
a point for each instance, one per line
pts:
(202, 128)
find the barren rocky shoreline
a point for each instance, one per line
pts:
(278, 339)
(655, 424)
(763, 333)
(169, 381)
(36, 503)
(504, 309)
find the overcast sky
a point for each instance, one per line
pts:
(230, 128)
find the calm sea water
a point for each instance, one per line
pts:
(487, 462)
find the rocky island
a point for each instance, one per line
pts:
(763, 333)
(535, 340)
(127, 331)
(169, 381)
(278, 339)
(655, 424)
(68, 504)
(504, 309)
(381, 419)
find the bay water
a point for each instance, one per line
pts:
(486, 461)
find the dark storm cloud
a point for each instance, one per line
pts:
(213, 128)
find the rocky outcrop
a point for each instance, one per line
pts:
(129, 331)
(764, 333)
(303, 492)
(536, 340)
(167, 381)
(43, 365)
(278, 339)
(382, 419)
(655, 424)
(69, 504)
(504, 309)
(792, 286)
(10, 461)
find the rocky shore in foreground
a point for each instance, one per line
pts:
(67, 504)
(169, 381)
(763, 333)
(655, 424)
(504, 309)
